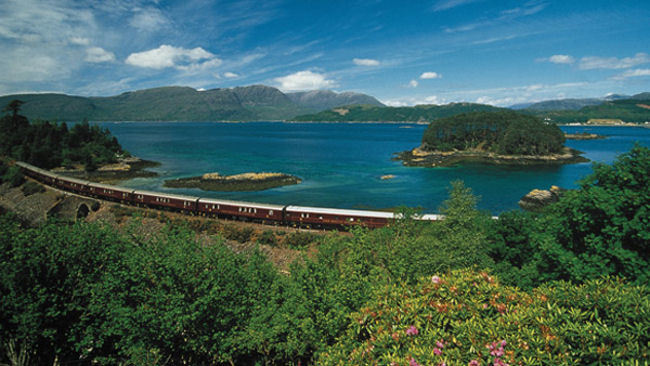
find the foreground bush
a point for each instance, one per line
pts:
(468, 318)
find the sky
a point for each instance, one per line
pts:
(402, 52)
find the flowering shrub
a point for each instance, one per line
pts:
(468, 318)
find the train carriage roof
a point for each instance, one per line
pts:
(72, 180)
(108, 186)
(264, 206)
(167, 195)
(342, 212)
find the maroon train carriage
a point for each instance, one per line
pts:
(164, 200)
(233, 209)
(320, 216)
(72, 184)
(111, 193)
(39, 174)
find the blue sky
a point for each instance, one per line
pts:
(402, 52)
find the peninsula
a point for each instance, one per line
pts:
(238, 182)
(500, 137)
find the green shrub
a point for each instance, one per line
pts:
(299, 239)
(240, 234)
(14, 176)
(268, 238)
(468, 318)
(31, 188)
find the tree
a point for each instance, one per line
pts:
(13, 107)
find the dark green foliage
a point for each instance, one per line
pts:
(14, 176)
(602, 228)
(48, 145)
(32, 187)
(268, 238)
(85, 294)
(299, 239)
(419, 113)
(503, 132)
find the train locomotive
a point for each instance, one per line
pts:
(300, 216)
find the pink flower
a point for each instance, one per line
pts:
(412, 330)
(503, 343)
(442, 364)
(435, 279)
(413, 362)
(440, 344)
(485, 306)
(473, 363)
(437, 351)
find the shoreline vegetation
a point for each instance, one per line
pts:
(239, 182)
(123, 169)
(422, 158)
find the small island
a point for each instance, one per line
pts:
(501, 137)
(584, 136)
(238, 182)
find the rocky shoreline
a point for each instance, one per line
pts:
(424, 158)
(125, 168)
(238, 182)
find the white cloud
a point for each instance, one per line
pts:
(98, 54)
(561, 59)
(365, 62)
(430, 75)
(80, 41)
(411, 101)
(594, 62)
(413, 83)
(149, 19)
(230, 75)
(304, 80)
(178, 57)
(448, 4)
(632, 74)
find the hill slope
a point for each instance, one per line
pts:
(634, 109)
(319, 100)
(419, 113)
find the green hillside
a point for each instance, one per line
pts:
(634, 109)
(419, 113)
(250, 103)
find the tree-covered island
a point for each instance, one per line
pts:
(499, 137)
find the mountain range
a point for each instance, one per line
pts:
(265, 103)
(174, 103)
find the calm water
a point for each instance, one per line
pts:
(341, 164)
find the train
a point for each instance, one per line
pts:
(289, 215)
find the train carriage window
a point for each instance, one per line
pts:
(270, 212)
(255, 210)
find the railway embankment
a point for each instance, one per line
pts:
(237, 182)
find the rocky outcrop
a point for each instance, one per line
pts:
(538, 199)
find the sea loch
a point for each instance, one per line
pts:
(341, 164)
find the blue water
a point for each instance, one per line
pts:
(341, 164)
